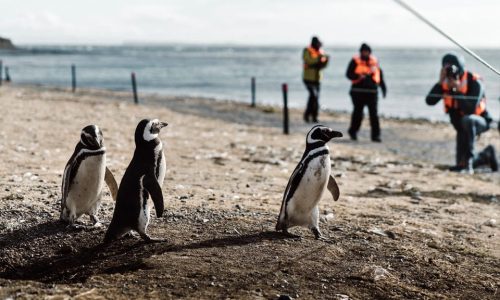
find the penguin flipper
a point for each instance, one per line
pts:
(68, 170)
(111, 182)
(154, 190)
(333, 188)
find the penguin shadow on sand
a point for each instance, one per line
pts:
(43, 230)
(122, 256)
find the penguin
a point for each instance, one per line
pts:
(308, 182)
(84, 177)
(143, 178)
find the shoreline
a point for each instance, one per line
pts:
(124, 94)
(396, 132)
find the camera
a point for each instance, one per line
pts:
(452, 71)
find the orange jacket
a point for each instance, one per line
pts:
(450, 102)
(314, 62)
(369, 67)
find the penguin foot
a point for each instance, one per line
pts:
(291, 235)
(97, 224)
(150, 240)
(317, 234)
(75, 226)
(324, 239)
(155, 240)
(95, 221)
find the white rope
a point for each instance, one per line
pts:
(470, 52)
(373, 91)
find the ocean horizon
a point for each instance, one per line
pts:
(224, 72)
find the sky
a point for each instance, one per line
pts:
(249, 22)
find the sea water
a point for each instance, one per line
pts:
(224, 72)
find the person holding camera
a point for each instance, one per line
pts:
(465, 102)
(315, 60)
(366, 77)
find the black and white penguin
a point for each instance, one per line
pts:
(308, 182)
(84, 177)
(143, 178)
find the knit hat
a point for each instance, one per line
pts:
(454, 59)
(315, 41)
(365, 47)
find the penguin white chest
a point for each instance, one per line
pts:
(310, 190)
(143, 221)
(86, 187)
(162, 168)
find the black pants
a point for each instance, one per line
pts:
(312, 108)
(360, 100)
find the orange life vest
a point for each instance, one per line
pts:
(314, 54)
(450, 102)
(369, 67)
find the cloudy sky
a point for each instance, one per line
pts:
(261, 22)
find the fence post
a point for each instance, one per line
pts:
(73, 78)
(134, 88)
(1, 69)
(7, 75)
(253, 91)
(284, 88)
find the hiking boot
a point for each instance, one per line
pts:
(462, 169)
(492, 158)
(487, 157)
(352, 135)
(376, 139)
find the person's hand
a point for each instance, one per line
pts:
(324, 59)
(454, 84)
(442, 75)
(384, 93)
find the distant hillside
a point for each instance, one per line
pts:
(6, 44)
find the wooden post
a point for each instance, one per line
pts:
(1, 68)
(284, 88)
(253, 91)
(7, 75)
(134, 88)
(73, 78)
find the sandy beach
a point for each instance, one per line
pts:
(403, 228)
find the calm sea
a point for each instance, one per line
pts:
(224, 72)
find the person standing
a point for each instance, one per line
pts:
(465, 102)
(315, 60)
(366, 77)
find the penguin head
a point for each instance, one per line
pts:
(91, 137)
(147, 130)
(321, 134)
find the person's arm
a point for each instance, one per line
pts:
(350, 71)
(324, 59)
(435, 94)
(475, 90)
(382, 83)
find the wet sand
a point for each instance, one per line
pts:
(402, 228)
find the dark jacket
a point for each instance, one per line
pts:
(474, 94)
(368, 85)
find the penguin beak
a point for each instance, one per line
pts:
(333, 134)
(163, 124)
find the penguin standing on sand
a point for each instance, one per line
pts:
(307, 183)
(143, 178)
(84, 177)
